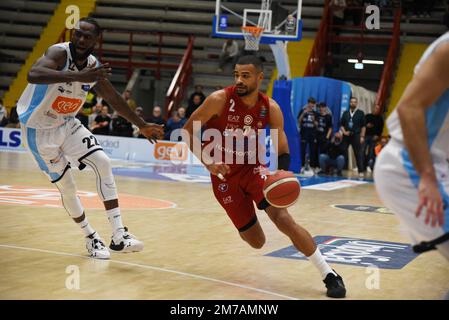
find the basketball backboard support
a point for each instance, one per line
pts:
(281, 20)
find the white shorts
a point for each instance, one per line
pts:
(397, 182)
(56, 149)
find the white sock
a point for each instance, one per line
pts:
(85, 226)
(318, 261)
(115, 219)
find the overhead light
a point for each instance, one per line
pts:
(358, 66)
(366, 61)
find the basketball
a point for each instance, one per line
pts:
(281, 189)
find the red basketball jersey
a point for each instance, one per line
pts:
(235, 119)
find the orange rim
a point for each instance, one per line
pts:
(255, 31)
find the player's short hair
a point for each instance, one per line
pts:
(93, 22)
(311, 100)
(251, 59)
(355, 98)
(323, 104)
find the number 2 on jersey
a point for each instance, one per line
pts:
(232, 106)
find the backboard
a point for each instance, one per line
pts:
(281, 19)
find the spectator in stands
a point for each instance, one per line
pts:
(196, 103)
(95, 112)
(229, 53)
(374, 127)
(13, 119)
(120, 126)
(102, 122)
(177, 121)
(306, 124)
(352, 125)
(3, 115)
(156, 116)
(198, 92)
(130, 101)
(311, 102)
(333, 157)
(323, 125)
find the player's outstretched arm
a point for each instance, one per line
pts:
(211, 107)
(47, 69)
(106, 90)
(425, 88)
(277, 123)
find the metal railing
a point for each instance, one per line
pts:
(178, 86)
(387, 73)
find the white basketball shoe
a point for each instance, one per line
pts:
(96, 247)
(125, 242)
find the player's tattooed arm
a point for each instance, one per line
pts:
(48, 69)
(106, 90)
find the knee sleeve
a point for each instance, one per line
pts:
(101, 164)
(67, 188)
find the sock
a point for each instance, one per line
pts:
(318, 261)
(115, 219)
(85, 226)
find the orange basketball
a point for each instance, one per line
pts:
(281, 189)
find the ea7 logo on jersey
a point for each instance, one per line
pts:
(66, 105)
(232, 118)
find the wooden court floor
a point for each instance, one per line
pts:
(192, 251)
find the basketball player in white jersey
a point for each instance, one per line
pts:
(412, 172)
(58, 85)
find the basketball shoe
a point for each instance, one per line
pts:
(96, 247)
(335, 286)
(125, 242)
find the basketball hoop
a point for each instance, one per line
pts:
(252, 37)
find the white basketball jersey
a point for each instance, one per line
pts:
(437, 116)
(44, 106)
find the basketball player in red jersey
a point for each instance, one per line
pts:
(236, 186)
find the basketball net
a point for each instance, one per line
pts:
(252, 37)
(253, 34)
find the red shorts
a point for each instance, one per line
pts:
(237, 193)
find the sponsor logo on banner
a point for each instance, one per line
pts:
(171, 151)
(66, 105)
(362, 208)
(10, 138)
(356, 252)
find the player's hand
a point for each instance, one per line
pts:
(152, 131)
(430, 199)
(218, 169)
(92, 74)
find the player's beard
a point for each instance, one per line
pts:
(248, 91)
(84, 55)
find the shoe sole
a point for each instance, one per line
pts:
(100, 258)
(134, 248)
